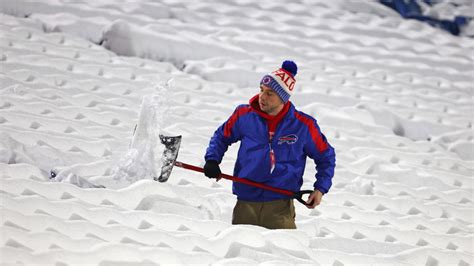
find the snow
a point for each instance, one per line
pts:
(143, 160)
(393, 97)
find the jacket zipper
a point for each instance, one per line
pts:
(272, 153)
(270, 140)
(272, 158)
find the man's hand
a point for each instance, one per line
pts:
(212, 170)
(314, 199)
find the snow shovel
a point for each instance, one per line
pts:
(171, 154)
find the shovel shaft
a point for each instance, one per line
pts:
(238, 179)
(171, 153)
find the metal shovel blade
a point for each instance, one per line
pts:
(169, 156)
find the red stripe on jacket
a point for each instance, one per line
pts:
(313, 130)
(233, 119)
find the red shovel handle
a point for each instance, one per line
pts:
(240, 180)
(171, 153)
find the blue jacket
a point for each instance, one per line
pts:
(297, 136)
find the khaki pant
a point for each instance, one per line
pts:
(276, 214)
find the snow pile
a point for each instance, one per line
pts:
(162, 42)
(144, 158)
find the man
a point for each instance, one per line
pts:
(275, 141)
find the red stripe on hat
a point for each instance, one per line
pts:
(284, 70)
(313, 130)
(233, 119)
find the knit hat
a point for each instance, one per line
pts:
(282, 81)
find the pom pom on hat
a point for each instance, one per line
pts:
(290, 66)
(282, 80)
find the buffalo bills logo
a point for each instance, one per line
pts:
(288, 139)
(266, 80)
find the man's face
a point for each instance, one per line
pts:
(269, 101)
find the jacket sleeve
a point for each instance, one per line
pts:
(227, 134)
(324, 156)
